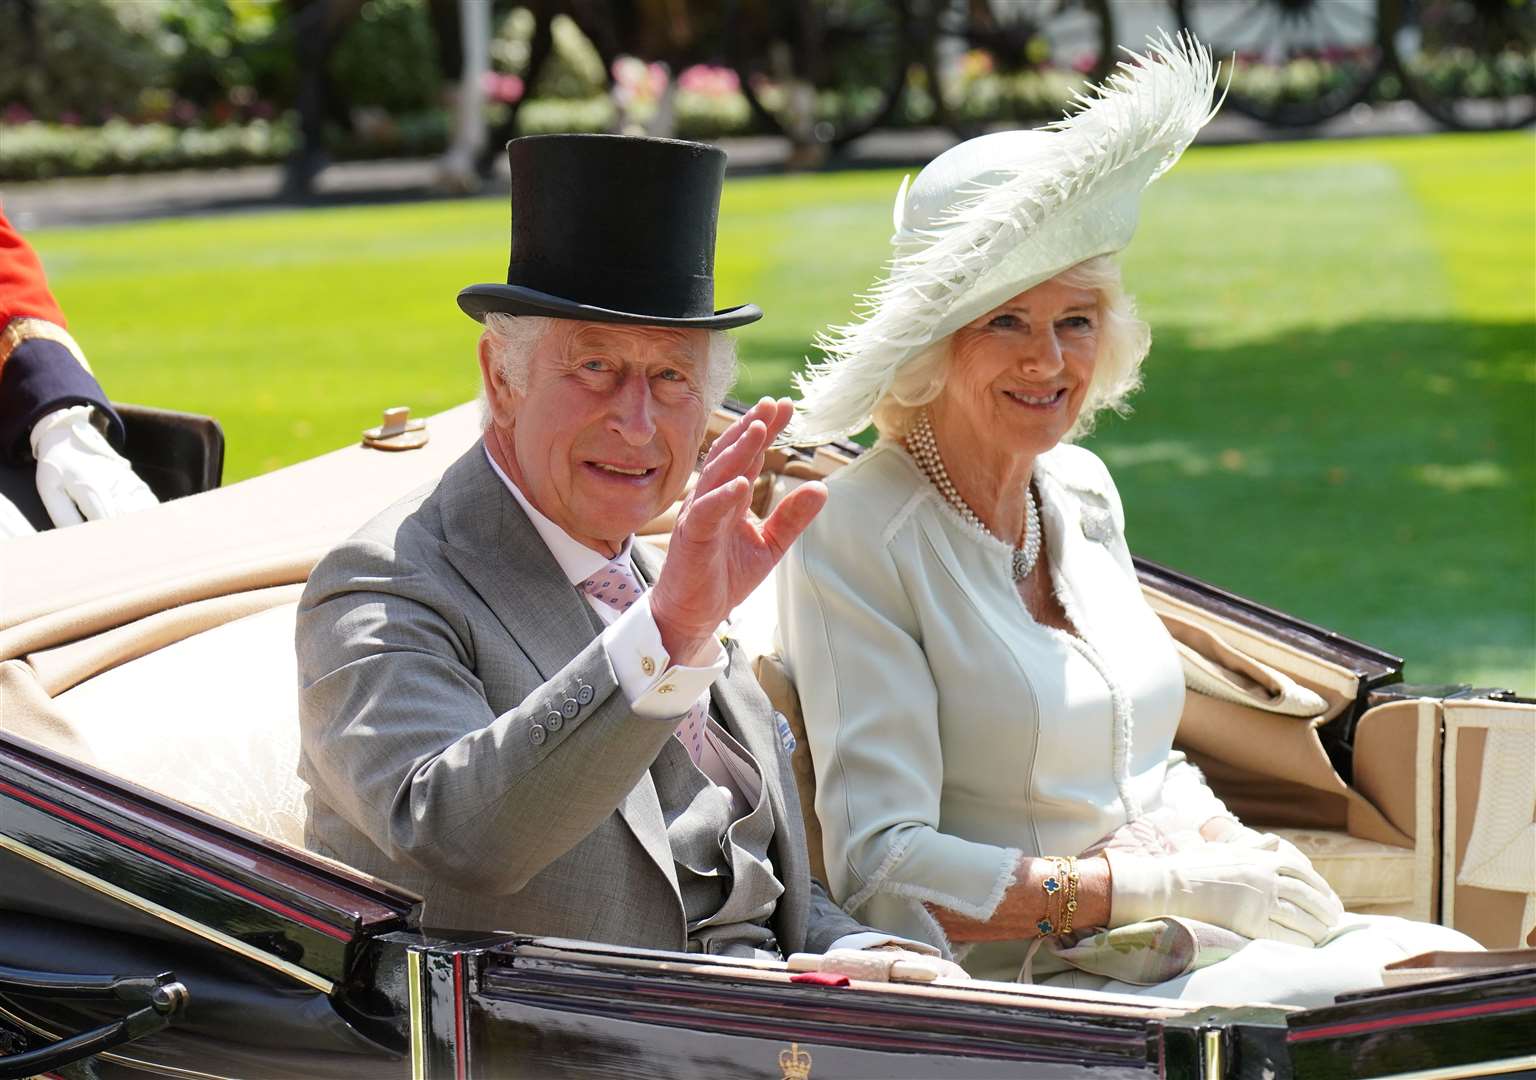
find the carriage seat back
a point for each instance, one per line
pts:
(210, 720)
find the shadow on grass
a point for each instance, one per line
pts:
(1378, 478)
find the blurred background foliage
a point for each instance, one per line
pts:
(74, 74)
(78, 60)
(388, 59)
(107, 86)
(99, 86)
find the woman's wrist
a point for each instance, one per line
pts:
(1027, 902)
(1093, 893)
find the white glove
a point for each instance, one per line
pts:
(79, 476)
(879, 965)
(1257, 893)
(1240, 835)
(12, 523)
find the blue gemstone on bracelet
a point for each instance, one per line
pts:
(1051, 885)
(1045, 927)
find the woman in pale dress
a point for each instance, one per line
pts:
(990, 702)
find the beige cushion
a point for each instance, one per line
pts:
(1214, 668)
(211, 720)
(1369, 876)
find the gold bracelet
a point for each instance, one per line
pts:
(1069, 897)
(1052, 886)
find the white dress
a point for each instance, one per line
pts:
(952, 733)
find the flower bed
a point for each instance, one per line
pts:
(31, 150)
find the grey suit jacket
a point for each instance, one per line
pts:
(464, 734)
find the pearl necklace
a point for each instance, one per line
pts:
(924, 449)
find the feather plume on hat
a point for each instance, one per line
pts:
(999, 214)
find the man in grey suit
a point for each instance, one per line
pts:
(507, 704)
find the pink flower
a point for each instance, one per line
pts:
(628, 72)
(636, 80)
(504, 88)
(16, 113)
(709, 80)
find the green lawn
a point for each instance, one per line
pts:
(1340, 413)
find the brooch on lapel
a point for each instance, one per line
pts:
(786, 736)
(1098, 524)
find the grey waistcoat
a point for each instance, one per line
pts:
(724, 876)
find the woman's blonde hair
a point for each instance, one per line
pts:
(1123, 343)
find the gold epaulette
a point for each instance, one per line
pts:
(27, 328)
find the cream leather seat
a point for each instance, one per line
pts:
(210, 720)
(1369, 876)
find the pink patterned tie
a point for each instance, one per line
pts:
(617, 586)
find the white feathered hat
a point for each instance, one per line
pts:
(999, 214)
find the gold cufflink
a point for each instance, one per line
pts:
(648, 665)
(664, 688)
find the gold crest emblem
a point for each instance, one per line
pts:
(795, 1063)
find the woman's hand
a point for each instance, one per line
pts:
(1227, 830)
(1259, 893)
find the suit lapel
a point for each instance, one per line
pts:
(493, 544)
(641, 811)
(745, 713)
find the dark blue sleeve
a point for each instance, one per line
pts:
(39, 377)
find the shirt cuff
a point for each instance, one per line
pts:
(656, 688)
(873, 939)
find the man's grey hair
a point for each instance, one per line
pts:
(513, 338)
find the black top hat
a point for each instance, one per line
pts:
(610, 228)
